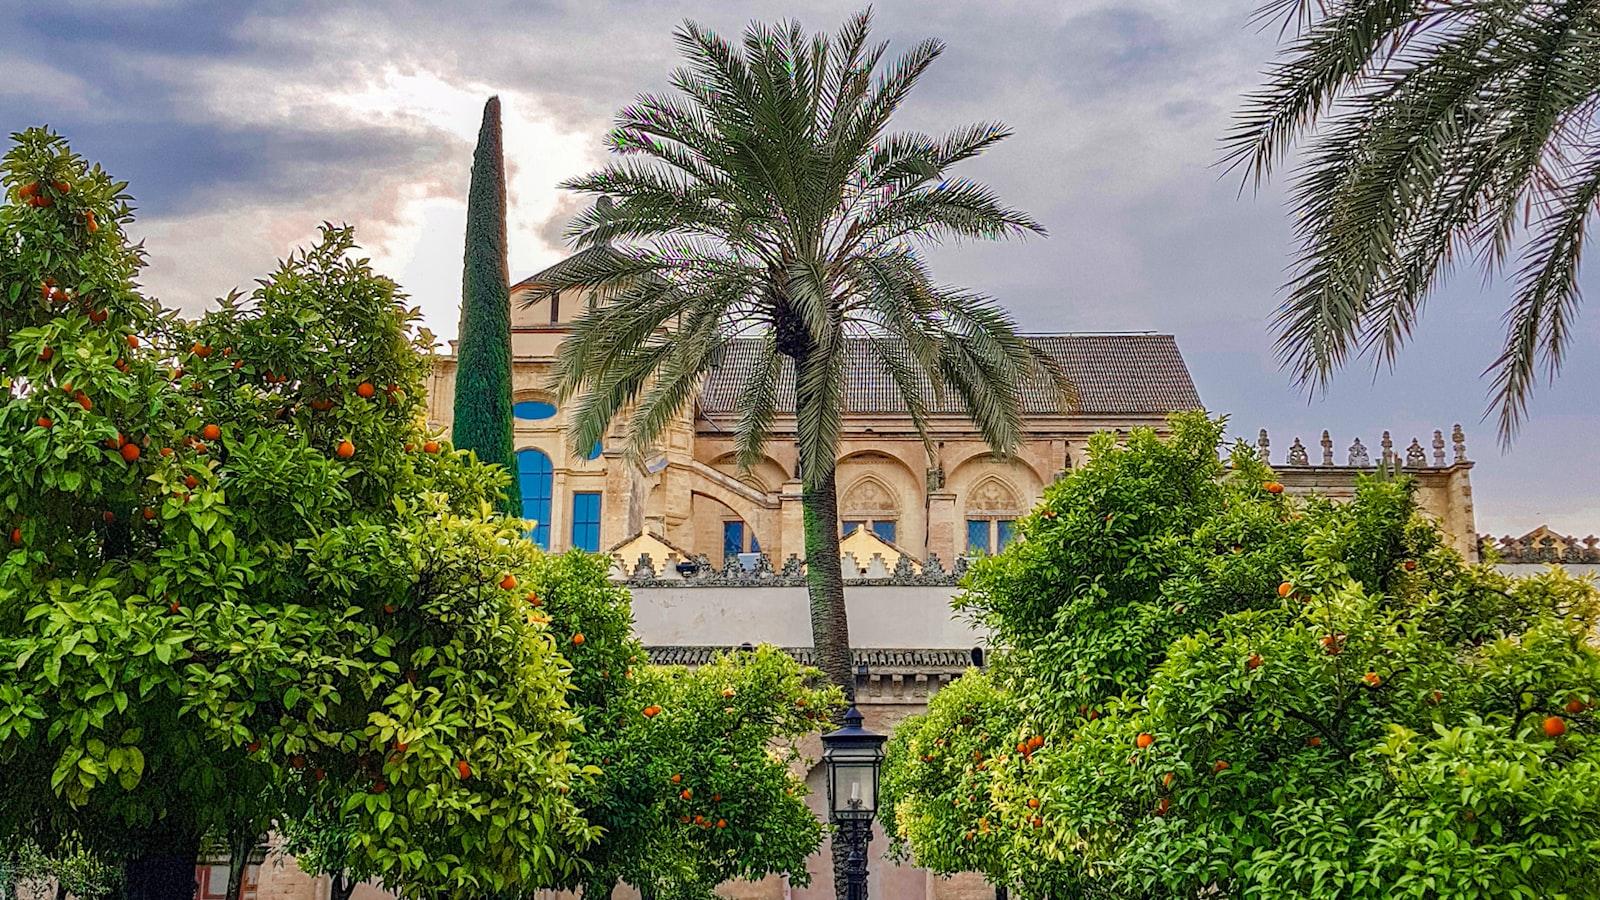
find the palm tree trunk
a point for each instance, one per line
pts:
(830, 625)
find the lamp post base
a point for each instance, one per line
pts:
(855, 835)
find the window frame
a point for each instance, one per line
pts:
(581, 542)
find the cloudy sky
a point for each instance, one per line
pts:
(243, 125)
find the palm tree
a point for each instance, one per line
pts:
(1442, 127)
(766, 198)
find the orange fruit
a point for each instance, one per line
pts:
(677, 779)
(98, 316)
(191, 482)
(83, 400)
(534, 601)
(430, 447)
(166, 451)
(1168, 779)
(211, 432)
(1575, 706)
(1373, 679)
(1033, 802)
(16, 535)
(1162, 806)
(61, 187)
(1411, 565)
(44, 422)
(89, 222)
(130, 452)
(463, 769)
(365, 390)
(108, 517)
(379, 787)
(149, 513)
(578, 638)
(1220, 765)
(28, 191)
(200, 350)
(1285, 589)
(728, 692)
(345, 450)
(1254, 662)
(1273, 487)
(46, 353)
(686, 793)
(1144, 740)
(508, 583)
(1555, 726)
(1314, 741)
(133, 341)
(722, 823)
(650, 712)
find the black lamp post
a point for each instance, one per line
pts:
(853, 756)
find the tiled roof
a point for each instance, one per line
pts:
(874, 658)
(1135, 374)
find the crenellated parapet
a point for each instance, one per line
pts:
(1439, 467)
(757, 570)
(1358, 455)
(1540, 547)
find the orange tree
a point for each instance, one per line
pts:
(697, 783)
(1209, 686)
(233, 563)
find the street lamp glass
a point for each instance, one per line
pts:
(853, 756)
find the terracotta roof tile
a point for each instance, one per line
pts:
(1133, 374)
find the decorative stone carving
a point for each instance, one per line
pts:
(1388, 457)
(1358, 455)
(935, 479)
(869, 498)
(1416, 457)
(1458, 442)
(1438, 448)
(1264, 447)
(904, 570)
(793, 567)
(991, 495)
(1298, 455)
(1327, 448)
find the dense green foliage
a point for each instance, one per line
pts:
(770, 200)
(1436, 130)
(482, 418)
(1208, 687)
(240, 588)
(229, 566)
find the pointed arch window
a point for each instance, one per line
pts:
(869, 503)
(992, 507)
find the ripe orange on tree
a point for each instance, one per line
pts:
(130, 452)
(1575, 706)
(508, 583)
(578, 638)
(345, 450)
(1273, 487)
(1285, 589)
(430, 447)
(1145, 739)
(365, 390)
(1555, 726)
(1220, 766)
(650, 712)
(463, 769)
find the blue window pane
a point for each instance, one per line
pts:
(534, 477)
(732, 538)
(849, 527)
(885, 530)
(533, 410)
(586, 520)
(977, 537)
(755, 545)
(1003, 532)
(594, 452)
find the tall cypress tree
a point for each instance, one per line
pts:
(483, 357)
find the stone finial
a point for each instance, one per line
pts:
(731, 565)
(904, 569)
(1264, 447)
(1416, 457)
(1297, 454)
(933, 568)
(1388, 457)
(1358, 454)
(850, 568)
(960, 568)
(644, 569)
(793, 567)
(763, 565)
(1438, 448)
(1458, 442)
(702, 566)
(1327, 448)
(877, 567)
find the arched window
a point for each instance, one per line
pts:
(992, 509)
(534, 475)
(869, 503)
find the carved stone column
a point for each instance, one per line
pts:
(791, 523)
